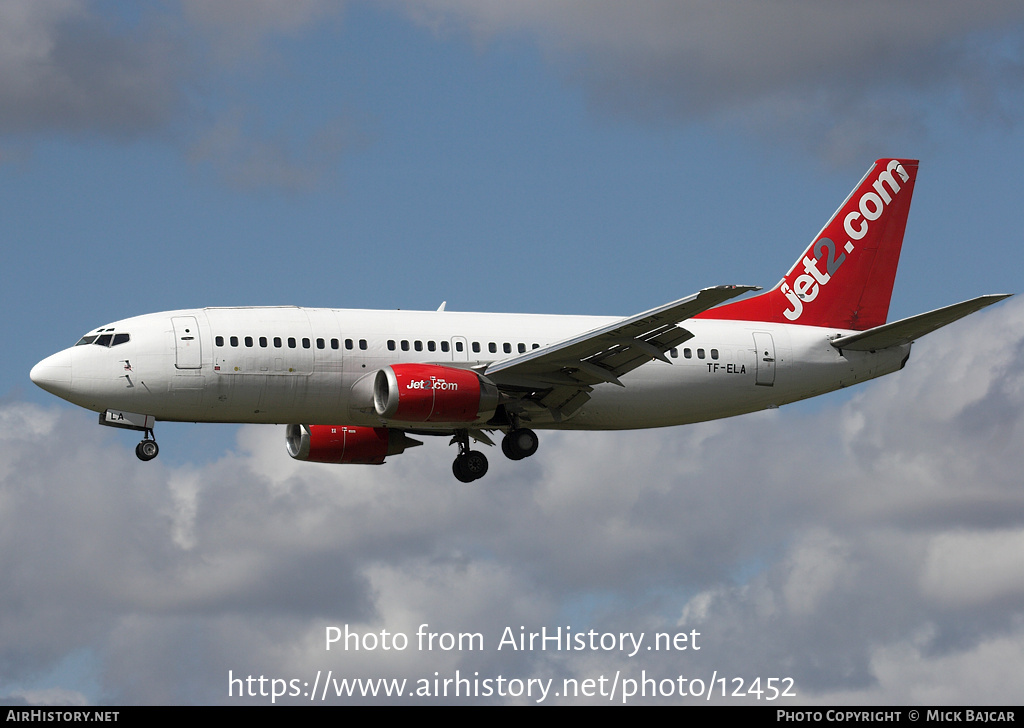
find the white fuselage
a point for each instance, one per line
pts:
(298, 365)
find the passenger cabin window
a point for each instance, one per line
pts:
(218, 340)
(263, 341)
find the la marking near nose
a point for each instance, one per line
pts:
(54, 373)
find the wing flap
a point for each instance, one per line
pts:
(563, 401)
(559, 378)
(907, 330)
(614, 349)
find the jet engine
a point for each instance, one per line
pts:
(429, 393)
(345, 443)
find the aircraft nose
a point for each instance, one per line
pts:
(54, 373)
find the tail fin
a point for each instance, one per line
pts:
(845, 278)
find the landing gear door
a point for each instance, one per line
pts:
(764, 357)
(187, 352)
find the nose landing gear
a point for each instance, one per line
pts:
(147, 449)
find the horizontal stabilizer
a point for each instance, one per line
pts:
(909, 329)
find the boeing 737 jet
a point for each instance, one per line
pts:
(356, 386)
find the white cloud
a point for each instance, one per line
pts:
(846, 79)
(82, 68)
(75, 66)
(985, 674)
(967, 568)
(247, 156)
(238, 29)
(66, 68)
(815, 567)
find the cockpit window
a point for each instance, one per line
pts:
(104, 339)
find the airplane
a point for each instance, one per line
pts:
(386, 376)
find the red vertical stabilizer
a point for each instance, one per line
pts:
(845, 278)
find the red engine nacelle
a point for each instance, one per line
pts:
(432, 393)
(345, 443)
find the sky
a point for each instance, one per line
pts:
(576, 156)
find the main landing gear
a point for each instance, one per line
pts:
(147, 449)
(472, 465)
(519, 444)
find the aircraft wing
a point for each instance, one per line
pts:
(906, 330)
(568, 369)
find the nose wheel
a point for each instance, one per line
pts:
(147, 449)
